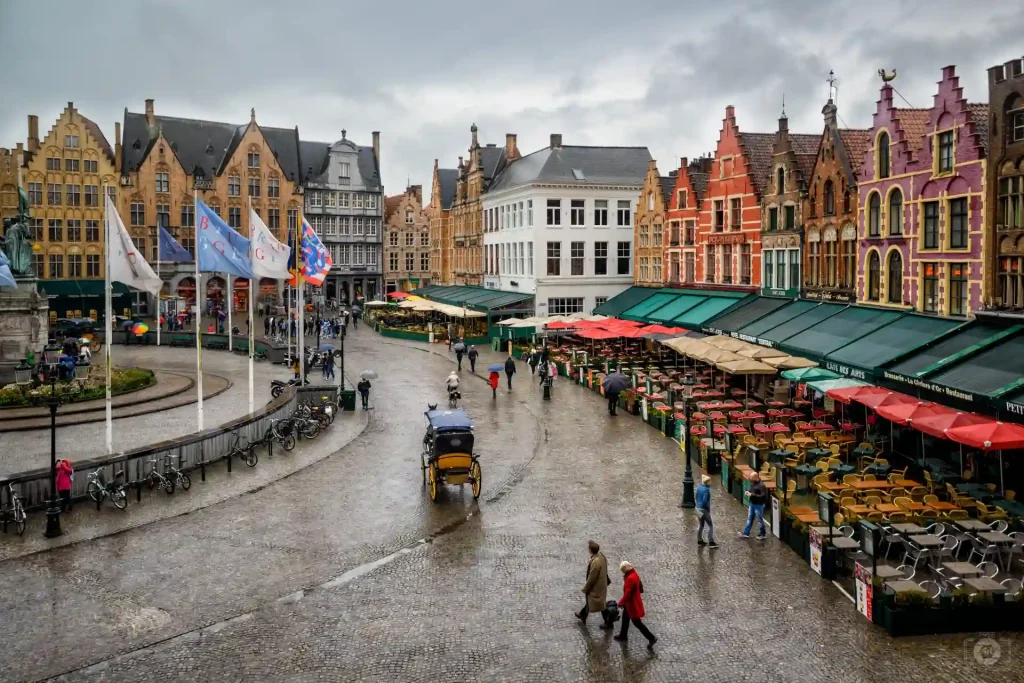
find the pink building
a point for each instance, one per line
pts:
(922, 190)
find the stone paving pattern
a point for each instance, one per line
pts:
(249, 589)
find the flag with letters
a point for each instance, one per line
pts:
(316, 259)
(269, 257)
(170, 250)
(127, 265)
(221, 249)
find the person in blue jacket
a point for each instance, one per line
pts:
(704, 510)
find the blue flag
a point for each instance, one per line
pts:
(6, 277)
(221, 249)
(170, 250)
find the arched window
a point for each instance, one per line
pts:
(895, 278)
(896, 213)
(874, 215)
(780, 181)
(846, 201)
(831, 238)
(849, 256)
(874, 276)
(830, 199)
(883, 155)
(813, 274)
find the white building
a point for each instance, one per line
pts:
(558, 224)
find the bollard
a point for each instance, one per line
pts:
(138, 481)
(229, 462)
(547, 388)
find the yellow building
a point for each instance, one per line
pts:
(64, 174)
(10, 178)
(442, 195)
(406, 241)
(166, 161)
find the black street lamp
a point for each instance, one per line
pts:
(688, 496)
(53, 511)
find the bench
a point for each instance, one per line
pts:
(241, 347)
(181, 340)
(217, 344)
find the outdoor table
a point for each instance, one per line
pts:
(801, 510)
(751, 403)
(904, 586)
(775, 404)
(800, 403)
(907, 483)
(844, 543)
(832, 486)
(914, 506)
(841, 470)
(907, 528)
(962, 569)
(1004, 541)
(888, 508)
(779, 455)
(736, 429)
(805, 472)
(983, 584)
(880, 470)
(942, 506)
(816, 453)
(804, 441)
(868, 485)
(850, 426)
(928, 540)
(811, 518)
(859, 453)
(822, 426)
(860, 509)
(883, 571)
(715, 415)
(1013, 507)
(698, 416)
(823, 531)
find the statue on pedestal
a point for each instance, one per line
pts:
(16, 245)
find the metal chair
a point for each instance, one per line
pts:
(912, 553)
(982, 549)
(933, 589)
(891, 538)
(907, 571)
(1015, 589)
(937, 529)
(989, 569)
(999, 526)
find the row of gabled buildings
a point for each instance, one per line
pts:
(921, 211)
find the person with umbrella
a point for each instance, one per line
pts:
(493, 377)
(613, 385)
(460, 349)
(472, 354)
(510, 369)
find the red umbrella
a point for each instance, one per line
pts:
(397, 295)
(938, 423)
(562, 325)
(989, 436)
(596, 334)
(904, 413)
(661, 329)
(876, 400)
(850, 394)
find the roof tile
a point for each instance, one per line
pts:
(758, 147)
(856, 142)
(915, 124)
(979, 114)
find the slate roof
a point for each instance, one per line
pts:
(314, 158)
(97, 134)
(369, 169)
(979, 114)
(668, 185)
(492, 158)
(600, 166)
(699, 183)
(856, 142)
(448, 179)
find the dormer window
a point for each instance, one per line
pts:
(946, 152)
(780, 181)
(345, 170)
(830, 199)
(253, 160)
(883, 155)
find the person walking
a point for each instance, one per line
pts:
(493, 380)
(510, 369)
(364, 392)
(472, 355)
(65, 472)
(758, 496)
(704, 510)
(595, 590)
(532, 359)
(266, 326)
(460, 350)
(632, 605)
(328, 365)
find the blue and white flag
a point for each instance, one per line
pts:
(170, 250)
(221, 249)
(6, 277)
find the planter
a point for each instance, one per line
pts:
(668, 425)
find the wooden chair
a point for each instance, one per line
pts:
(869, 477)
(918, 493)
(988, 514)
(928, 515)
(1010, 494)
(930, 498)
(835, 450)
(872, 500)
(930, 482)
(790, 488)
(902, 501)
(846, 501)
(956, 514)
(819, 480)
(968, 474)
(899, 491)
(818, 435)
(893, 517)
(796, 460)
(895, 475)
(874, 517)
(851, 478)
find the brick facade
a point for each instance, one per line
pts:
(406, 241)
(1004, 260)
(649, 223)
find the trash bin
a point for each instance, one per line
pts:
(348, 399)
(495, 344)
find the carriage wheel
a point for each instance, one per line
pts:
(477, 475)
(432, 481)
(423, 469)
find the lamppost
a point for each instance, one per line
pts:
(53, 511)
(688, 498)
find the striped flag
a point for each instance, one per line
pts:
(316, 260)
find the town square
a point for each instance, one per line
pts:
(555, 342)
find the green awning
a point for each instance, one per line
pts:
(839, 329)
(889, 341)
(640, 311)
(804, 321)
(809, 374)
(78, 288)
(623, 301)
(476, 298)
(776, 318)
(988, 371)
(963, 339)
(824, 385)
(749, 312)
(696, 316)
(676, 307)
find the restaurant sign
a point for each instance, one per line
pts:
(846, 371)
(755, 340)
(919, 383)
(1013, 408)
(727, 238)
(865, 590)
(828, 295)
(815, 539)
(771, 291)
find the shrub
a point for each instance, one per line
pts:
(121, 380)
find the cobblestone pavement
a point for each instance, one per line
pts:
(27, 450)
(345, 571)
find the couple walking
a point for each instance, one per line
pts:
(631, 602)
(758, 497)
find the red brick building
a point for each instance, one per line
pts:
(728, 244)
(684, 205)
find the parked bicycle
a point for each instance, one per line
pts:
(15, 511)
(174, 477)
(281, 431)
(178, 476)
(99, 489)
(246, 452)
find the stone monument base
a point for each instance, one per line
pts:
(23, 325)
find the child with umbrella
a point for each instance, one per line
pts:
(494, 377)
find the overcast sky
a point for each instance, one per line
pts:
(651, 72)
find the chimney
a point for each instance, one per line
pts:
(376, 146)
(556, 140)
(417, 191)
(33, 133)
(829, 112)
(117, 145)
(652, 165)
(510, 146)
(683, 161)
(475, 142)
(150, 117)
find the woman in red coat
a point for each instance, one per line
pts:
(632, 605)
(493, 378)
(64, 471)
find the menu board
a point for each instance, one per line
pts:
(865, 590)
(816, 543)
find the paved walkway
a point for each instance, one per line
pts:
(345, 571)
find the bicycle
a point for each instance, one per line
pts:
(330, 407)
(283, 432)
(155, 478)
(247, 452)
(16, 510)
(178, 476)
(100, 489)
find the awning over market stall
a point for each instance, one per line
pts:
(476, 298)
(688, 308)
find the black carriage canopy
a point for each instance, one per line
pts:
(446, 443)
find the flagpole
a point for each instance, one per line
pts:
(199, 316)
(252, 337)
(159, 313)
(108, 331)
(231, 306)
(299, 331)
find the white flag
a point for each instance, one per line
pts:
(127, 265)
(269, 257)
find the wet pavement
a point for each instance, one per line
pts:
(346, 571)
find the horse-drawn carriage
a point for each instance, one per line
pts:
(447, 456)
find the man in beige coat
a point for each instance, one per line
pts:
(596, 587)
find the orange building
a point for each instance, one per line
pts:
(728, 243)
(684, 205)
(649, 227)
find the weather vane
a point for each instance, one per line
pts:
(832, 80)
